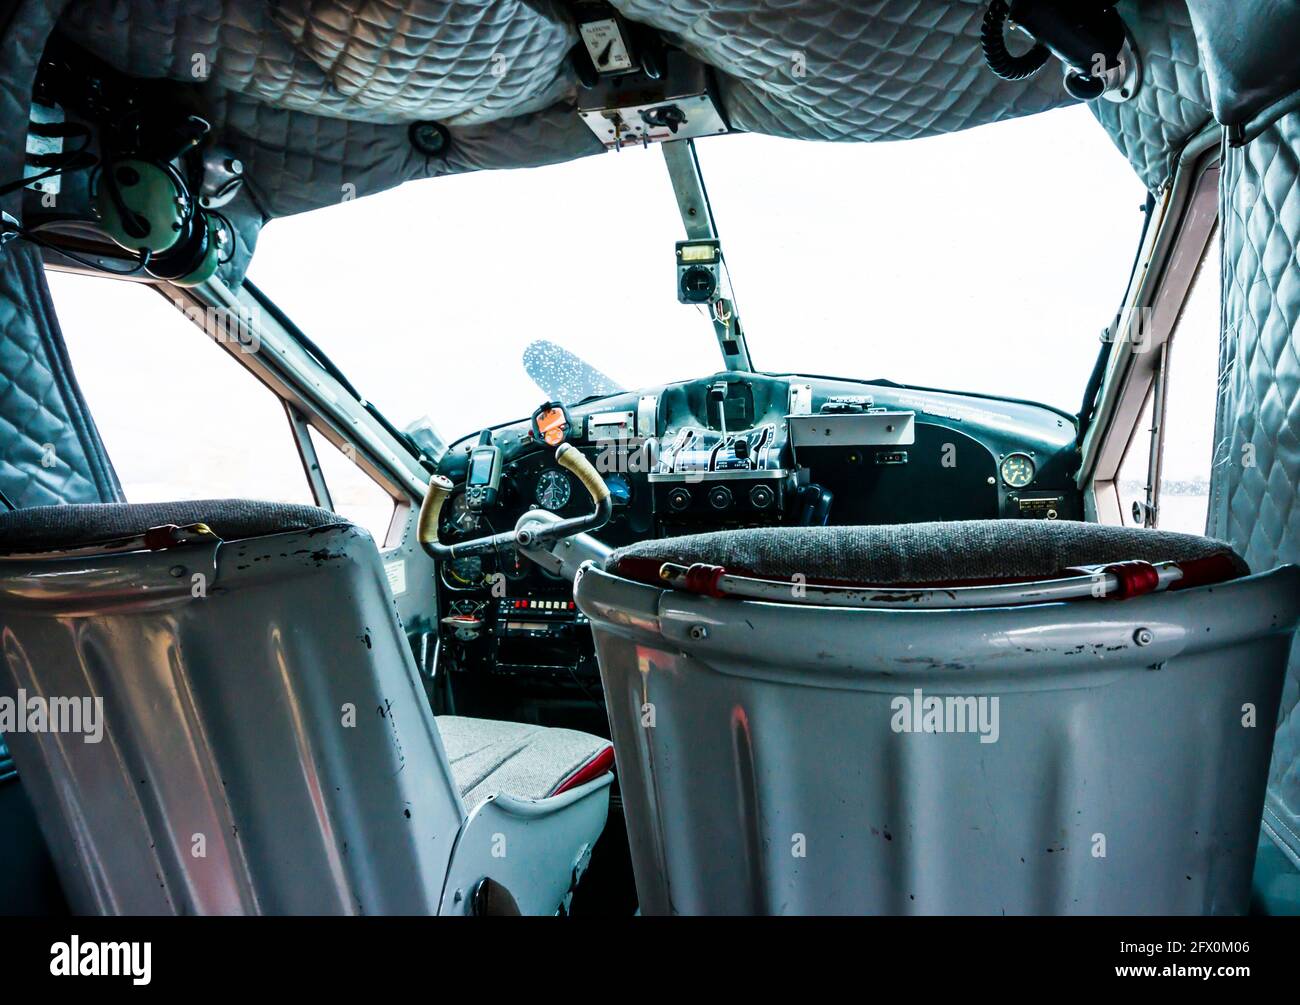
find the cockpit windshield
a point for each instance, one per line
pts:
(986, 261)
(457, 287)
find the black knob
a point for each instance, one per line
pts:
(760, 497)
(679, 498)
(720, 497)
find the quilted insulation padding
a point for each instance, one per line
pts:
(827, 70)
(296, 161)
(50, 451)
(313, 94)
(913, 68)
(895, 69)
(455, 61)
(1255, 501)
(1249, 52)
(1173, 103)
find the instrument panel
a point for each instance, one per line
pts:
(731, 450)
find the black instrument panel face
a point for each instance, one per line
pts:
(944, 471)
(964, 458)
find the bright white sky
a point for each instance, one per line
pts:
(987, 260)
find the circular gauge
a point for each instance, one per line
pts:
(1018, 470)
(553, 490)
(620, 489)
(458, 519)
(513, 565)
(464, 619)
(463, 573)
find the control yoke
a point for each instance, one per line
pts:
(533, 531)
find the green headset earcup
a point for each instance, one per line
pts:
(211, 257)
(149, 194)
(195, 257)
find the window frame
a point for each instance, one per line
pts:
(1176, 247)
(1165, 370)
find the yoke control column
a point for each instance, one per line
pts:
(531, 533)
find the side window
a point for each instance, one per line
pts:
(1132, 478)
(1187, 429)
(180, 417)
(1191, 399)
(353, 493)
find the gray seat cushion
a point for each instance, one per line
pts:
(47, 528)
(491, 758)
(955, 552)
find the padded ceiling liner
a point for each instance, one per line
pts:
(819, 70)
(315, 95)
(892, 69)
(455, 62)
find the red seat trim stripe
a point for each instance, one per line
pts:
(601, 763)
(1211, 569)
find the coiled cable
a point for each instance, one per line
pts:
(994, 43)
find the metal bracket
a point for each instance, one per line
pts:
(697, 218)
(647, 416)
(799, 400)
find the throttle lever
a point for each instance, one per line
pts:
(426, 526)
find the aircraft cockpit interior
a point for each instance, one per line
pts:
(745, 459)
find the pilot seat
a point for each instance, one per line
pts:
(254, 736)
(983, 717)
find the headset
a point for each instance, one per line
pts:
(146, 207)
(144, 203)
(143, 183)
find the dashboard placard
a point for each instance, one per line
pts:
(856, 429)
